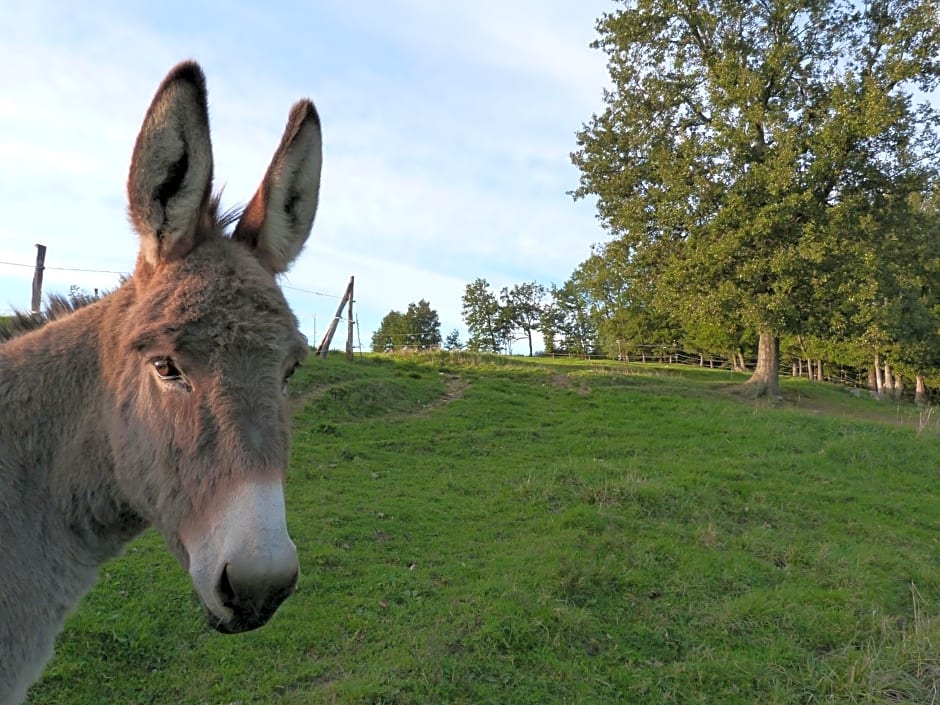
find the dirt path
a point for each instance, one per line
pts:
(454, 387)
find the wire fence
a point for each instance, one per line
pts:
(856, 379)
(819, 370)
(65, 269)
(8, 307)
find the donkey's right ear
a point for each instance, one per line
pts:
(170, 179)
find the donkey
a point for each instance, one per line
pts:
(162, 404)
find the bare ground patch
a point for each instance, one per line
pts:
(454, 387)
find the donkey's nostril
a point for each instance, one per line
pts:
(226, 593)
(253, 589)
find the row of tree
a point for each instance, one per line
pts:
(768, 177)
(597, 313)
(496, 320)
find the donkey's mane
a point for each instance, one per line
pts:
(58, 306)
(227, 218)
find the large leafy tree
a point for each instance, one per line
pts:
(393, 333)
(898, 312)
(425, 325)
(419, 328)
(569, 322)
(622, 302)
(744, 142)
(522, 305)
(489, 326)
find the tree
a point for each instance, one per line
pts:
(419, 328)
(898, 312)
(453, 341)
(622, 302)
(743, 139)
(486, 321)
(522, 306)
(425, 326)
(569, 323)
(392, 333)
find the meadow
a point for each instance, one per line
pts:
(493, 530)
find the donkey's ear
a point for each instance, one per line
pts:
(278, 218)
(170, 179)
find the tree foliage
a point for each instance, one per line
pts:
(452, 342)
(753, 153)
(522, 305)
(622, 302)
(569, 321)
(419, 328)
(489, 326)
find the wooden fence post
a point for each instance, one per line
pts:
(37, 278)
(328, 337)
(349, 320)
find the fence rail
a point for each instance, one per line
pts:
(813, 369)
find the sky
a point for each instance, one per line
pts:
(447, 131)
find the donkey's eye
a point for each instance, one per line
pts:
(287, 377)
(166, 369)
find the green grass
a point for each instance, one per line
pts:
(483, 530)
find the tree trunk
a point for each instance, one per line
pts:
(879, 380)
(529, 333)
(549, 339)
(888, 381)
(765, 380)
(872, 380)
(897, 390)
(819, 371)
(920, 391)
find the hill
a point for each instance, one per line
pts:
(489, 530)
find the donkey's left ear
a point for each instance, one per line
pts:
(278, 218)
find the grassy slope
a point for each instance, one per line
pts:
(558, 533)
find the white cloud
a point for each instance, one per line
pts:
(447, 131)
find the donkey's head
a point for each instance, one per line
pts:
(206, 343)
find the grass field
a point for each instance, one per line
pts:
(494, 531)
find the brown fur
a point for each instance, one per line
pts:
(21, 322)
(95, 446)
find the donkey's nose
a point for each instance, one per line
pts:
(254, 586)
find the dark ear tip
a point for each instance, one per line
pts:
(304, 111)
(186, 72)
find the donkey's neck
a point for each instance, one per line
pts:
(61, 515)
(54, 447)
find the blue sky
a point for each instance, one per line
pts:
(447, 130)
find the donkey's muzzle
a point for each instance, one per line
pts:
(253, 597)
(242, 562)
